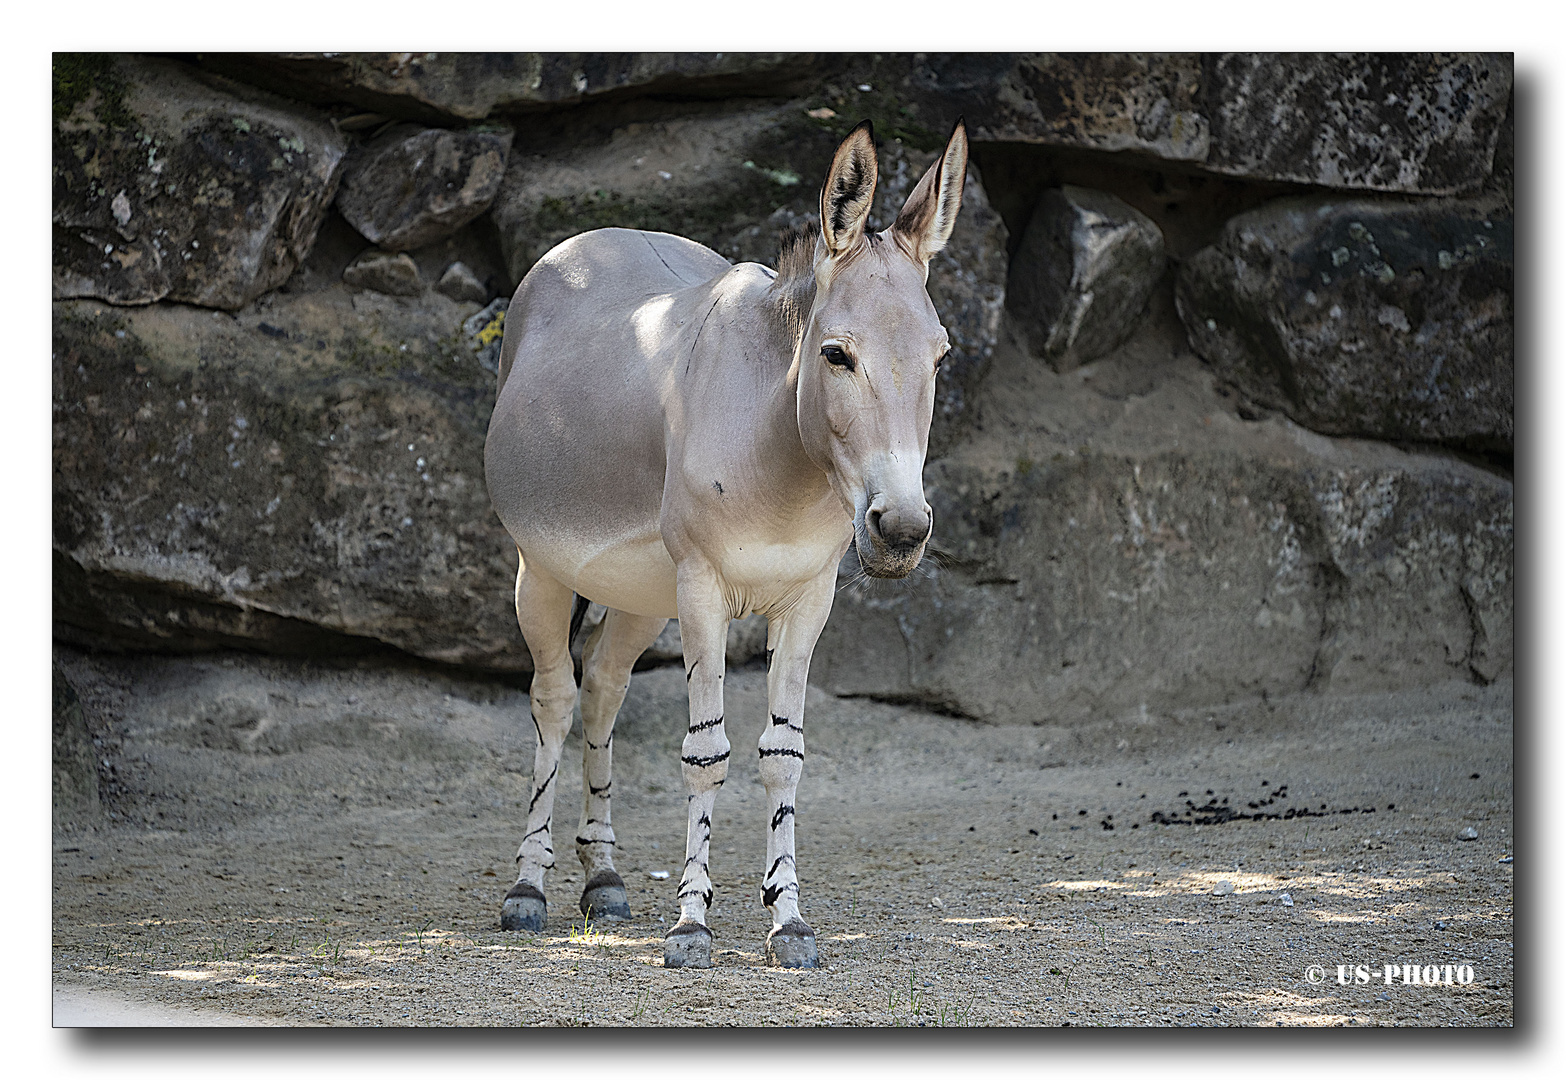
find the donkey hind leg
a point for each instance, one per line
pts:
(606, 675)
(544, 613)
(704, 761)
(792, 638)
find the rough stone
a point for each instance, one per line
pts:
(1411, 122)
(1148, 103)
(1419, 123)
(441, 87)
(304, 476)
(732, 179)
(173, 186)
(1111, 560)
(1422, 123)
(1385, 319)
(394, 275)
(461, 283)
(412, 186)
(1084, 271)
(75, 762)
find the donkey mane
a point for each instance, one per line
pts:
(794, 289)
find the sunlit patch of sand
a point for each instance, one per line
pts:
(993, 922)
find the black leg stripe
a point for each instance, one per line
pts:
(542, 787)
(705, 762)
(600, 790)
(585, 840)
(782, 751)
(704, 725)
(779, 861)
(782, 812)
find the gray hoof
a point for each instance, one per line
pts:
(688, 944)
(524, 909)
(604, 897)
(792, 945)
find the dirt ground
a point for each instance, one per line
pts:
(328, 844)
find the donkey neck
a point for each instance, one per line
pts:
(778, 440)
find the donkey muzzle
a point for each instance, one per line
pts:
(891, 540)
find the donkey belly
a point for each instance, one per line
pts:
(633, 574)
(582, 504)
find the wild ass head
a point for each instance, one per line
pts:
(871, 346)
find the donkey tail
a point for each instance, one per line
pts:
(578, 613)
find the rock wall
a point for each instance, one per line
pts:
(1229, 410)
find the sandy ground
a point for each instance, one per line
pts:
(328, 844)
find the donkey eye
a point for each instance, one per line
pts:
(837, 357)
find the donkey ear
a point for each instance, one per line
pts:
(850, 187)
(925, 222)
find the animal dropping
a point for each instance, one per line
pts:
(620, 401)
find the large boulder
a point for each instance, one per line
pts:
(172, 186)
(733, 179)
(1387, 319)
(1160, 553)
(304, 476)
(411, 186)
(1085, 269)
(1148, 103)
(1421, 123)
(307, 477)
(1411, 122)
(443, 87)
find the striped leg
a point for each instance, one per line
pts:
(607, 659)
(792, 638)
(704, 760)
(544, 613)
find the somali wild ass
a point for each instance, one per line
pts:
(676, 436)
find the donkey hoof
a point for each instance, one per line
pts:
(604, 897)
(524, 908)
(687, 944)
(792, 945)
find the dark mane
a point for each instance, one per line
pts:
(793, 290)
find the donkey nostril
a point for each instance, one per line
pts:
(873, 520)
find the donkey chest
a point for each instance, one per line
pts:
(766, 571)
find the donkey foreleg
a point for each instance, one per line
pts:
(792, 942)
(607, 659)
(704, 761)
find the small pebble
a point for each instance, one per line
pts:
(1223, 888)
(658, 875)
(1288, 901)
(1504, 859)
(1468, 834)
(935, 902)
